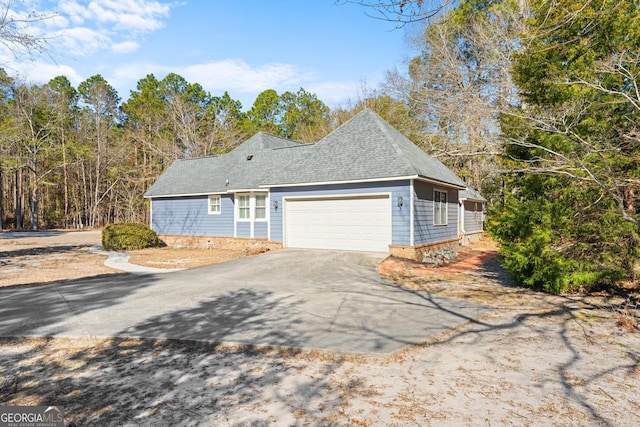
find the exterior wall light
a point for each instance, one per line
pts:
(275, 204)
(400, 201)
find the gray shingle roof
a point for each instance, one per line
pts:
(471, 194)
(366, 147)
(228, 172)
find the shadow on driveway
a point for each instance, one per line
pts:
(322, 300)
(55, 309)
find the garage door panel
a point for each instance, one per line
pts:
(361, 223)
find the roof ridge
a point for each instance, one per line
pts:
(200, 157)
(387, 129)
(299, 145)
(361, 112)
(270, 135)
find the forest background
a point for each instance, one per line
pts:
(535, 103)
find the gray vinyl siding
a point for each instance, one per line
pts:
(400, 217)
(424, 229)
(189, 216)
(473, 216)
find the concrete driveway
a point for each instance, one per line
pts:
(308, 299)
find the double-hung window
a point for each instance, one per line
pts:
(252, 207)
(439, 207)
(244, 207)
(215, 206)
(261, 206)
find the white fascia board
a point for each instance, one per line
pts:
(358, 181)
(213, 193)
(442, 183)
(471, 199)
(248, 190)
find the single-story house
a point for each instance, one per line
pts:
(363, 187)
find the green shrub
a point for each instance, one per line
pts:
(546, 249)
(128, 236)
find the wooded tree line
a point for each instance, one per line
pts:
(534, 102)
(79, 157)
(538, 104)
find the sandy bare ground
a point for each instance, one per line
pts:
(534, 360)
(30, 260)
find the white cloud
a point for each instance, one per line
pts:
(74, 11)
(86, 27)
(41, 72)
(81, 41)
(241, 80)
(236, 74)
(55, 23)
(134, 16)
(125, 47)
(335, 93)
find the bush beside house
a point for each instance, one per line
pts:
(128, 236)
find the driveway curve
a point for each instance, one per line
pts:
(308, 299)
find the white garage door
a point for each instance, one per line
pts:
(354, 223)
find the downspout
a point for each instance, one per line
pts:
(268, 214)
(235, 215)
(412, 239)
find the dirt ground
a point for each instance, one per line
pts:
(535, 359)
(29, 260)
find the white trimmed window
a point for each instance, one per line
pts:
(261, 206)
(215, 205)
(252, 207)
(439, 207)
(244, 207)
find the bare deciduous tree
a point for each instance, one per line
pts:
(403, 11)
(17, 28)
(460, 83)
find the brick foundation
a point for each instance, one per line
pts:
(416, 252)
(212, 242)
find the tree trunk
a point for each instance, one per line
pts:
(86, 195)
(1, 200)
(18, 199)
(66, 182)
(34, 208)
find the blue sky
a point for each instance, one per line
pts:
(243, 47)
